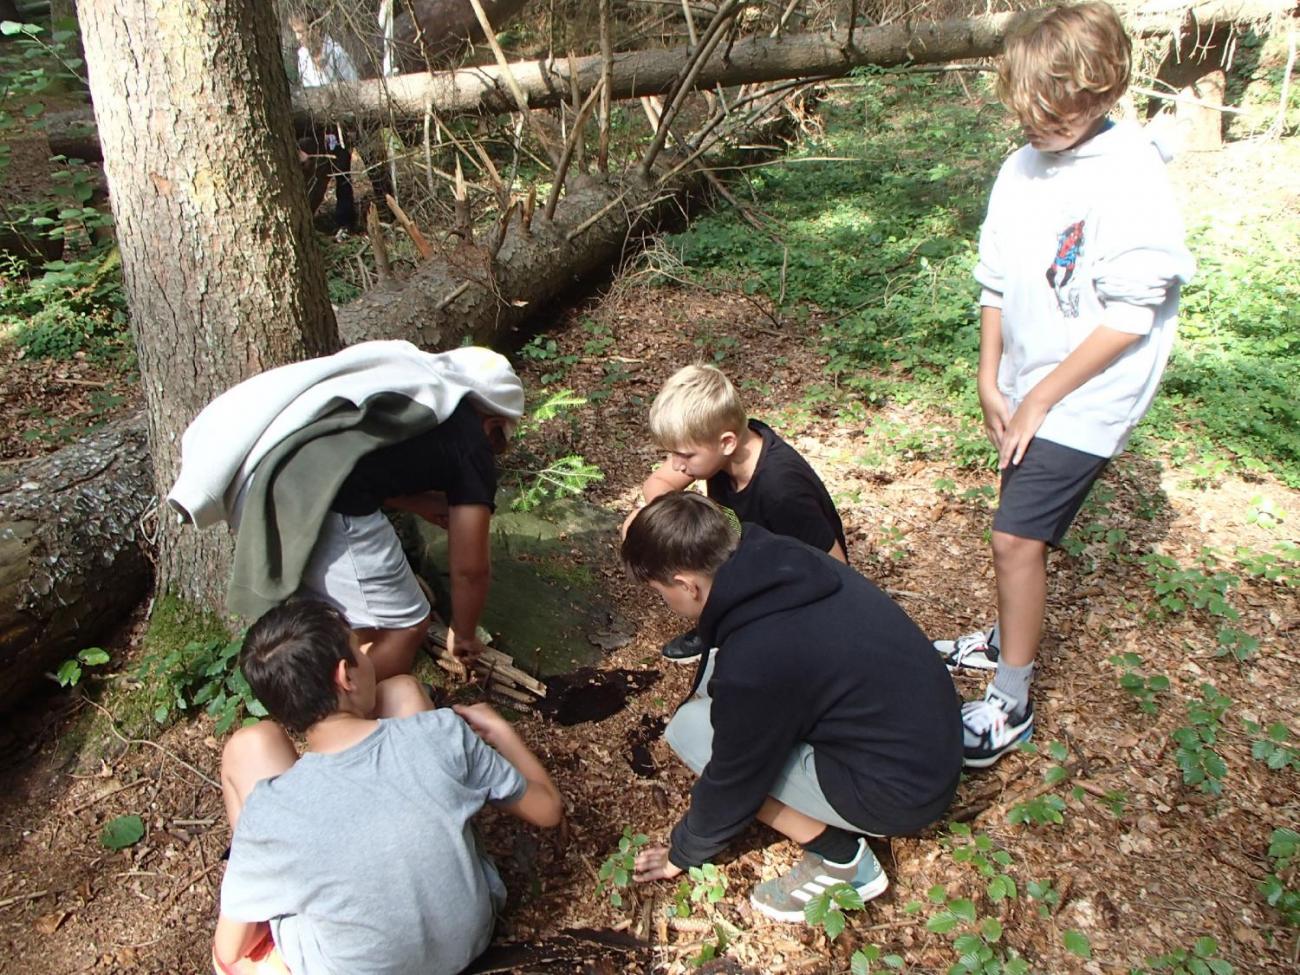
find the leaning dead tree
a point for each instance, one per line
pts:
(487, 274)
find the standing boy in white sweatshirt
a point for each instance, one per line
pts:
(1081, 261)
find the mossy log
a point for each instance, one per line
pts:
(72, 560)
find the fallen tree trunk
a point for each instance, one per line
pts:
(486, 89)
(71, 559)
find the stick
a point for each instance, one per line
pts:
(383, 269)
(20, 898)
(575, 137)
(104, 795)
(606, 67)
(510, 693)
(418, 239)
(112, 726)
(508, 74)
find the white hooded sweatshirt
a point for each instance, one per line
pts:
(1072, 240)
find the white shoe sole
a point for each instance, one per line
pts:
(970, 662)
(866, 891)
(987, 760)
(682, 660)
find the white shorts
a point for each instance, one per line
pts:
(358, 567)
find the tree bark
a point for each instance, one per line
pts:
(546, 84)
(219, 262)
(71, 559)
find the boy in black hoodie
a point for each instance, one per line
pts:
(827, 715)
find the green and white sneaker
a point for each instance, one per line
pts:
(783, 898)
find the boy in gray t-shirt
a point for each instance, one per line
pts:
(359, 856)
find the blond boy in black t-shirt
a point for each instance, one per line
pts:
(698, 418)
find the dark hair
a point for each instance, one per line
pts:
(289, 657)
(678, 532)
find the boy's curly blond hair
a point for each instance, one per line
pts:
(695, 407)
(1072, 61)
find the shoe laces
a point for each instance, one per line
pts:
(971, 642)
(981, 716)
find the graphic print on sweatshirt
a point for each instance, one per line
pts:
(1060, 274)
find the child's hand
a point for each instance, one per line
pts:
(484, 722)
(652, 863)
(996, 415)
(464, 648)
(1020, 431)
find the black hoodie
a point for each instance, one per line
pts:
(811, 651)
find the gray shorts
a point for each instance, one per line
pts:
(1042, 494)
(359, 568)
(690, 735)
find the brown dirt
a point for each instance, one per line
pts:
(1168, 867)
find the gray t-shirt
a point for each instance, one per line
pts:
(365, 862)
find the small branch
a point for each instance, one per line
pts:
(690, 22)
(104, 795)
(606, 67)
(507, 73)
(375, 233)
(460, 290)
(575, 137)
(712, 38)
(1185, 100)
(418, 239)
(1279, 124)
(112, 726)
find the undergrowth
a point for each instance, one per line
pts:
(878, 241)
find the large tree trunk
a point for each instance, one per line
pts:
(71, 562)
(546, 84)
(221, 270)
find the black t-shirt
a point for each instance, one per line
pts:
(454, 457)
(785, 495)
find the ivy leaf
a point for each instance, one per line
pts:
(122, 832)
(93, 656)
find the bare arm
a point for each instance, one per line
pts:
(429, 505)
(665, 480)
(471, 573)
(234, 939)
(540, 804)
(996, 412)
(1102, 347)
(837, 552)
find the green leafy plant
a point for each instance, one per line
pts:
(1201, 765)
(550, 477)
(1047, 896)
(1274, 748)
(71, 670)
(200, 674)
(1077, 943)
(1046, 809)
(1200, 587)
(977, 849)
(1141, 687)
(616, 872)
(975, 939)
(826, 910)
(122, 831)
(1202, 959)
(862, 960)
(1281, 564)
(1283, 851)
(1235, 643)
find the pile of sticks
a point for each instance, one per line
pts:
(495, 670)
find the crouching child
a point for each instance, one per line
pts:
(824, 714)
(360, 855)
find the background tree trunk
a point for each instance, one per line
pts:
(221, 270)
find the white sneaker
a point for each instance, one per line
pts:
(992, 727)
(974, 651)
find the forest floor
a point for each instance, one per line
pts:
(1140, 865)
